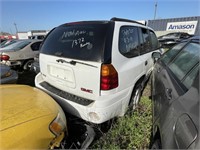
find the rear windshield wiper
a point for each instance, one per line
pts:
(72, 62)
(68, 62)
(58, 53)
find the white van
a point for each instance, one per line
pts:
(97, 69)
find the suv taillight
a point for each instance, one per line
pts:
(4, 57)
(109, 77)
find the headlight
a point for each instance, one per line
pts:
(58, 125)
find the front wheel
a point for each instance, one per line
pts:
(156, 144)
(28, 64)
(135, 97)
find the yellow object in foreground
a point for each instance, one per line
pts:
(29, 119)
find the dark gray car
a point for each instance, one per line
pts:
(175, 97)
(173, 38)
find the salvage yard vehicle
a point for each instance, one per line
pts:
(38, 37)
(175, 96)
(7, 75)
(7, 42)
(173, 38)
(20, 53)
(96, 70)
(30, 119)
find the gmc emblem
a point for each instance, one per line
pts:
(86, 90)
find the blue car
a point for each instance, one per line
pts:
(8, 75)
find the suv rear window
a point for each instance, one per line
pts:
(84, 41)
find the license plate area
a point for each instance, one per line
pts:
(63, 75)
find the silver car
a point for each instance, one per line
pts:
(21, 53)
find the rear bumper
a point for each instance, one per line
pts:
(12, 63)
(97, 111)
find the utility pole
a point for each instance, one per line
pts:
(11, 31)
(16, 27)
(155, 10)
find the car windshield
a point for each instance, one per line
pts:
(79, 41)
(17, 45)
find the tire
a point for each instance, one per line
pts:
(135, 97)
(28, 64)
(107, 125)
(156, 144)
(101, 129)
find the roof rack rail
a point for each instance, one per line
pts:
(126, 20)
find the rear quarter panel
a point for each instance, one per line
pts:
(130, 70)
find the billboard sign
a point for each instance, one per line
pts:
(186, 26)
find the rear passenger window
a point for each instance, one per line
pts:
(129, 41)
(144, 40)
(36, 46)
(170, 54)
(189, 79)
(185, 62)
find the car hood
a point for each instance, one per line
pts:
(21, 104)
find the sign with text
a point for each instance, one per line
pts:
(186, 26)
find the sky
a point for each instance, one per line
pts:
(46, 14)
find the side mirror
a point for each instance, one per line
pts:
(155, 56)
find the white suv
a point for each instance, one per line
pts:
(96, 69)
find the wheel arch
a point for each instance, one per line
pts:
(140, 80)
(25, 61)
(156, 134)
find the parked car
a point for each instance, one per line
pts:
(7, 42)
(2, 40)
(175, 97)
(20, 53)
(38, 37)
(171, 39)
(30, 119)
(7, 75)
(97, 69)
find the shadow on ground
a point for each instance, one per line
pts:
(26, 77)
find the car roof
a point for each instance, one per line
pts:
(197, 37)
(193, 39)
(31, 40)
(114, 19)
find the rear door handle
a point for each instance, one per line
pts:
(158, 70)
(146, 62)
(168, 93)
